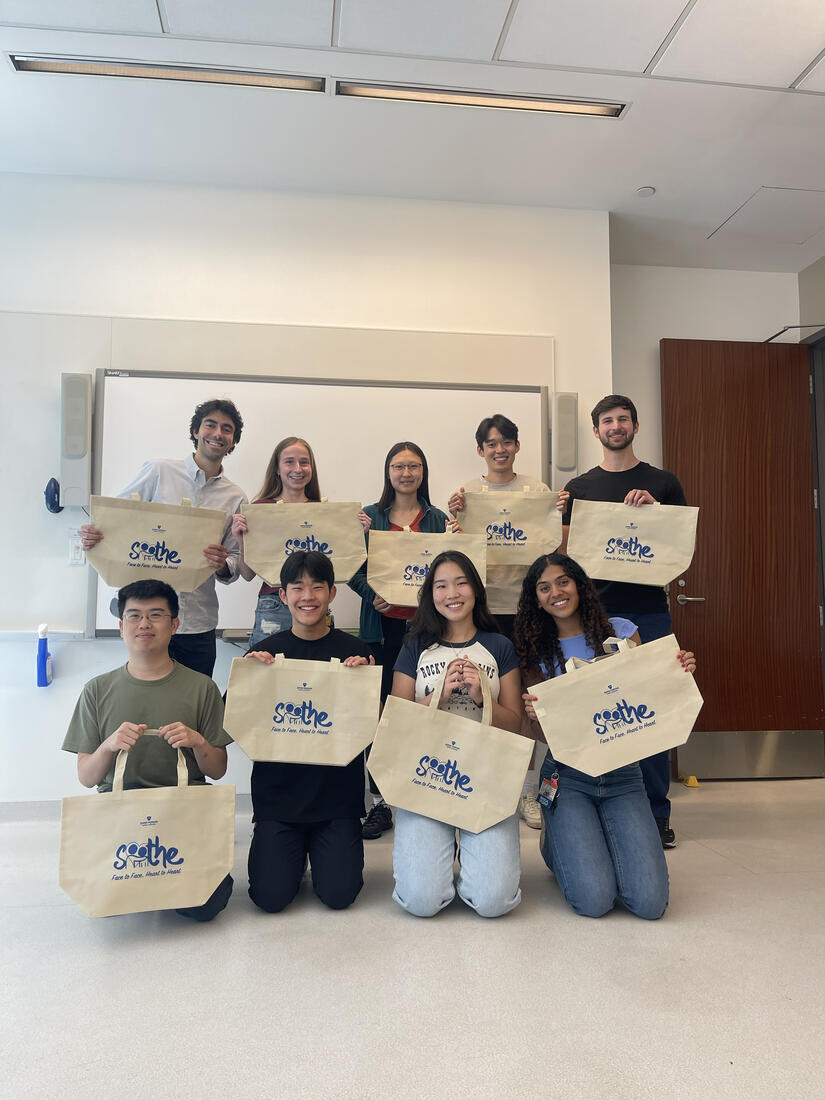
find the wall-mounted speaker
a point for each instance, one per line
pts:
(75, 439)
(564, 451)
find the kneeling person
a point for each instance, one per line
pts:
(151, 691)
(308, 810)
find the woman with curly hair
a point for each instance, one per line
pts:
(453, 628)
(599, 837)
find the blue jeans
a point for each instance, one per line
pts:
(271, 617)
(602, 843)
(656, 768)
(423, 856)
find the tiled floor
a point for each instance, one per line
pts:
(724, 997)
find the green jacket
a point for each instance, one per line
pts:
(434, 521)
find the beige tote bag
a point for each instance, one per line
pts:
(604, 714)
(518, 526)
(153, 848)
(302, 712)
(278, 530)
(144, 540)
(650, 544)
(398, 561)
(442, 765)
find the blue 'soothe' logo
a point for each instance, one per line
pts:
(505, 533)
(308, 543)
(628, 550)
(146, 853)
(158, 553)
(303, 717)
(621, 717)
(444, 772)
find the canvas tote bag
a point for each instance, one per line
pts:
(398, 561)
(302, 712)
(144, 540)
(651, 544)
(518, 526)
(153, 848)
(604, 714)
(278, 530)
(442, 765)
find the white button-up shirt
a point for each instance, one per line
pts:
(168, 481)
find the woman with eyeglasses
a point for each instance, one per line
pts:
(404, 505)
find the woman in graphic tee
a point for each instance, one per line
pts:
(600, 838)
(452, 628)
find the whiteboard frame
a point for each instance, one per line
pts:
(102, 374)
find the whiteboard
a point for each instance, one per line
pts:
(350, 425)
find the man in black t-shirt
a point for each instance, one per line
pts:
(622, 478)
(308, 810)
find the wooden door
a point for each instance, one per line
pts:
(737, 431)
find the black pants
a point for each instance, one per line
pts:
(213, 904)
(196, 651)
(278, 857)
(386, 655)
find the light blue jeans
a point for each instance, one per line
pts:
(602, 842)
(423, 856)
(271, 617)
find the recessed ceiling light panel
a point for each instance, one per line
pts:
(89, 66)
(464, 98)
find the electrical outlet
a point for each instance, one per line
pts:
(76, 555)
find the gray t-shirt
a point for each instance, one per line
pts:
(116, 697)
(504, 581)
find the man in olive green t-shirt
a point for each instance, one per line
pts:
(151, 691)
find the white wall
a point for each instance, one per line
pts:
(812, 297)
(653, 303)
(93, 250)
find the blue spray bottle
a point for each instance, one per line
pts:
(44, 658)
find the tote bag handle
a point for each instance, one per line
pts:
(525, 489)
(610, 646)
(280, 661)
(120, 767)
(486, 698)
(617, 645)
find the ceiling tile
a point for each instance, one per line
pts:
(306, 23)
(592, 34)
(761, 42)
(787, 214)
(120, 16)
(430, 28)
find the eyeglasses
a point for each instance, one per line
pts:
(135, 616)
(400, 467)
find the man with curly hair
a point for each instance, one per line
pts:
(214, 430)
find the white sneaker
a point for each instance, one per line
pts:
(529, 811)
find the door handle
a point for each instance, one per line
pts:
(689, 599)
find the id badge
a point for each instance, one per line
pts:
(548, 790)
